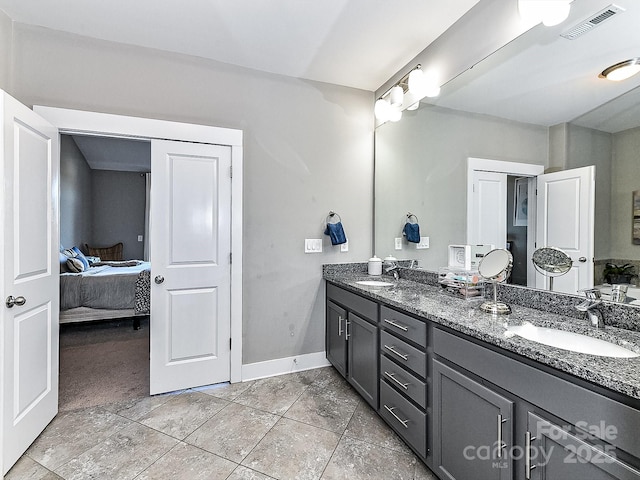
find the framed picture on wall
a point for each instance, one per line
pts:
(636, 218)
(520, 199)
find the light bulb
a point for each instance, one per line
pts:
(382, 110)
(622, 71)
(417, 82)
(414, 106)
(396, 96)
(432, 87)
(395, 114)
(549, 12)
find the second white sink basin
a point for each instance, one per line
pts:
(375, 283)
(574, 342)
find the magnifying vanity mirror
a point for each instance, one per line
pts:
(552, 262)
(496, 266)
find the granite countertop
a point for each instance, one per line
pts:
(428, 301)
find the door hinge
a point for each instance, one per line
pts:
(231, 171)
(230, 344)
(230, 258)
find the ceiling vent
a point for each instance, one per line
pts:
(592, 22)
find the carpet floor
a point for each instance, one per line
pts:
(103, 362)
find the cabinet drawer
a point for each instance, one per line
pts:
(354, 303)
(404, 326)
(403, 353)
(409, 421)
(403, 381)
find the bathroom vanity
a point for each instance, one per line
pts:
(474, 401)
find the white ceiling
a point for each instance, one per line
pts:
(119, 154)
(355, 43)
(545, 79)
(538, 77)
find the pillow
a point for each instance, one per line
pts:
(92, 259)
(75, 265)
(63, 263)
(75, 252)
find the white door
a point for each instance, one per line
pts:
(190, 265)
(565, 219)
(488, 221)
(30, 279)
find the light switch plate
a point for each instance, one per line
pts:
(312, 245)
(424, 243)
(344, 247)
(139, 238)
(398, 243)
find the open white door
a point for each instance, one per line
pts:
(488, 217)
(565, 219)
(30, 279)
(190, 265)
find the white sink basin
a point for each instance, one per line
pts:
(574, 342)
(375, 283)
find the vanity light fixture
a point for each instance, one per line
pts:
(621, 71)
(417, 82)
(549, 12)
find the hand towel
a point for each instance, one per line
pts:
(336, 233)
(412, 232)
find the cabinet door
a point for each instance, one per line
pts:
(472, 428)
(336, 343)
(551, 452)
(363, 358)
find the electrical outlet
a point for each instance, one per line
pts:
(424, 243)
(344, 247)
(312, 245)
(139, 238)
(398, 243)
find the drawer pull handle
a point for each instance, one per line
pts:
(391, 411)
(395, 352)
(528, 438)
(392, 376)
(397, 325)
(347, 330)
(340, 331)
(501, 444)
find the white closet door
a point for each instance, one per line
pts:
(30, 283)
(190, 265)
(488, 221)
(565, 219)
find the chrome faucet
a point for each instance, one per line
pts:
(393, 267)
(589, 306)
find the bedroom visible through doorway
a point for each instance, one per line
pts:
(104, 214)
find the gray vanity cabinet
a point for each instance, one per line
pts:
(352, 340)
(336, 343)
(552, 452)
(472, 427)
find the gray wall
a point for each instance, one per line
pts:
(118, 211)
(6, 40)
(308, 149)
(421, 167)
(625, 179)
(586, 146)
(76, 200)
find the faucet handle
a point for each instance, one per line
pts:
(592, 293)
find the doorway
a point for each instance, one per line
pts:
(79, 122)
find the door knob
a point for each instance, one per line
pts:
(11, 301)
(159, 279)
(582, 259)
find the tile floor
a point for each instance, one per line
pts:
(306, 425)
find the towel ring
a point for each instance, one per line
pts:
(331, 216)
(410, 216)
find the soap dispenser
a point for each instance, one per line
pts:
(374, 266)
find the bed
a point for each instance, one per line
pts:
(106, 290)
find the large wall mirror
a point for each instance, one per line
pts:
(511, 107)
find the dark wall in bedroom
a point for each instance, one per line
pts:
(99, 207)
(75, 195)
(118, 210)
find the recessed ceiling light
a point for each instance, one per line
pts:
(622, 70)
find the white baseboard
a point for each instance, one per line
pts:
(281, 366)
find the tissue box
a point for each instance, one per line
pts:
(467, 257)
